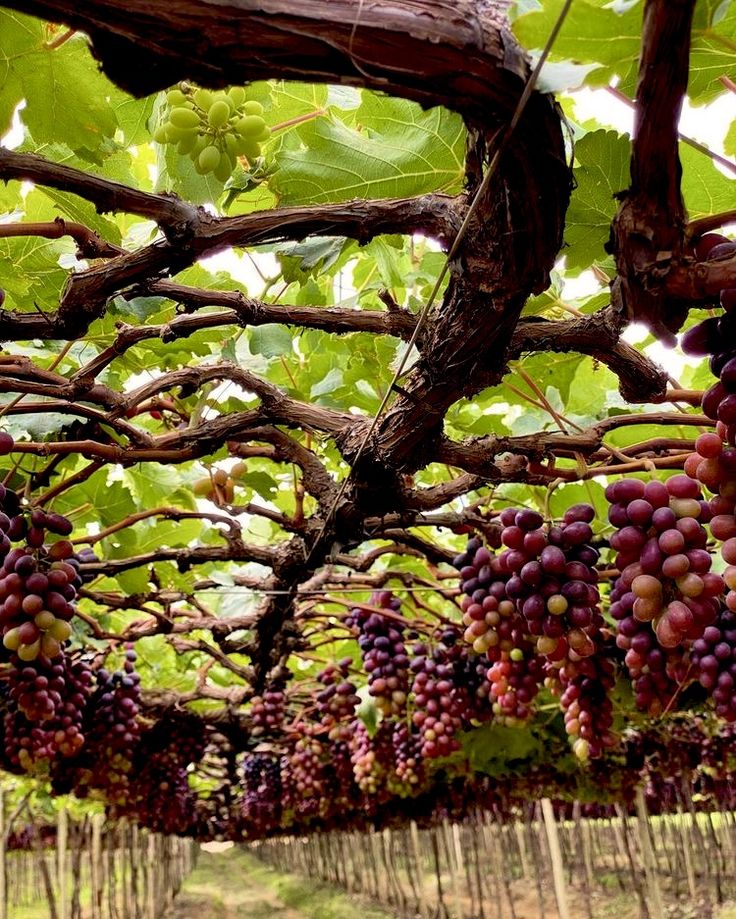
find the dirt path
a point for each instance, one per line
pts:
(219, 889)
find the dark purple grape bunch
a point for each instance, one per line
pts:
(380, 638)
(262, 792)
(661, 547)
(337, 701)
(441, 706)
(714, 663)
(552, 579)
(491, 619)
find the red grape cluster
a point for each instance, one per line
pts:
(586, 702)
(552, 578)
(661, 552)
(337, 702)
(655, 671)
(714, 661)
(45, 718)
(515, 682)
(267, 712)
(384, 655)
(408, 764)
(439, 703)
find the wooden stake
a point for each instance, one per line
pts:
(414, 834)
(558, 869)
(62, 833)
(656, 908)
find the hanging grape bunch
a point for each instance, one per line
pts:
(213, 128)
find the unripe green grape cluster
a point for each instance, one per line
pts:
(213, 128)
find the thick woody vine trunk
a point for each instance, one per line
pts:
(457, 54)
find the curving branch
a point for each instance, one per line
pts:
(648, 233)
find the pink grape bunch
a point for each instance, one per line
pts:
(661, 547)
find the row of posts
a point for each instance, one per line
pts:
(94, 869)
(487, 869)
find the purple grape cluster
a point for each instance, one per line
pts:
(714, 661)
(586, 702)
(46, 712)
(336, 703)
(440, 704)
(661, 550)
(262, 791)
(515, 683)
(655, 671)
(267, 712)
(381, 643)
(552, 579)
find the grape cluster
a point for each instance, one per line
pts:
(552, 579)
(408, 764)
(306, 768)
(586, 702)
(267, 712)
(381, 643)
(714, 661)
(515, 682)
(112, 730)
(38, 583)
(261, 802)
(46, 718)
(336, 703)
(655, 671)
(213, 128)
(158, 793)
(661, 552)
(490, 618)
(371, 757)
(439, 703)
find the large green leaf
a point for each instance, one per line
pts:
(601, 172)
(394, 150)
(67, 97)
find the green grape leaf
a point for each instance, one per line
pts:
(396, 149)
(601, 172)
